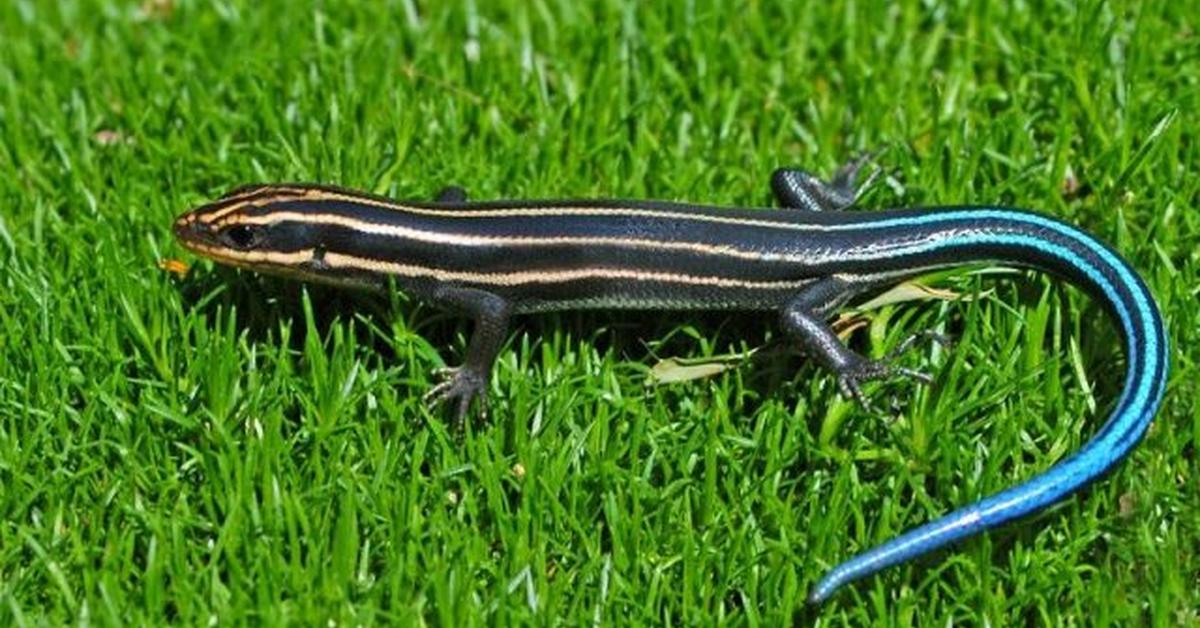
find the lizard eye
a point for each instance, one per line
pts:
(241, 236)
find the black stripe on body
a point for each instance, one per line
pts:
(501, 258)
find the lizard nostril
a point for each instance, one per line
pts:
(186, 227)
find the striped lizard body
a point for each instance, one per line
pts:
(493, 260)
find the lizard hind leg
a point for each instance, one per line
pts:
(804, 318)
(796, 188)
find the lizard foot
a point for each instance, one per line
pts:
(459, 387)
(851, 377)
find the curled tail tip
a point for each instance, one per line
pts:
(814, 598)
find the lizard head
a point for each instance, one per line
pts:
(274, 229)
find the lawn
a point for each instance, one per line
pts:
(211, 446)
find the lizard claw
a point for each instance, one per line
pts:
(850, 386)
(851, 377)
(459, 386)
(443, 373)
(845, 180)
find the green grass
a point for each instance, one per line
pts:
(233, 449)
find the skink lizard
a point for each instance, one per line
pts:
(492, 260)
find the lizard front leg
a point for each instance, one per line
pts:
(463, 384)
